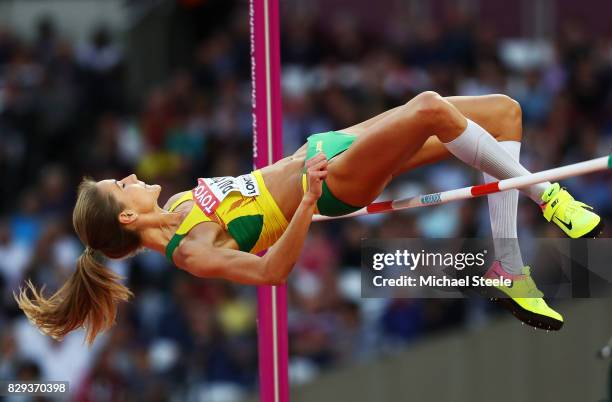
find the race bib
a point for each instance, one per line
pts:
(210, 192)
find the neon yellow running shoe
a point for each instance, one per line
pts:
(575, 218)
(523, 299)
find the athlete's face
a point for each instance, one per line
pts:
(136, 196)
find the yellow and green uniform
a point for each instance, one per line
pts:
(255, 221)
(242, 206)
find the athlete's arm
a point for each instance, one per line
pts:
(275, 265)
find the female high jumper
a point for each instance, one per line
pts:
(216, 229)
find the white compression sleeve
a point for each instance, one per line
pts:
(502, 211)
(476, 147)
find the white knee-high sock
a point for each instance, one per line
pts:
(476, 147)
(502, 211)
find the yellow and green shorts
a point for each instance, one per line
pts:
(331, 143)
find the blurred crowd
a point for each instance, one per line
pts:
(64, 114)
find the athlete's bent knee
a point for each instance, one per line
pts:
(435, 112)
(429, 106)
(509, 117)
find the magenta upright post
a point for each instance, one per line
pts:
(267, 148)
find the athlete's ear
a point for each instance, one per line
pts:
(128, 216)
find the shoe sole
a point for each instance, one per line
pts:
(530, 318)
(595, 232)
(535, 320)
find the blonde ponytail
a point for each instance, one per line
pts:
(88, 299)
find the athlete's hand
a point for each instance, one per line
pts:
(316, 172)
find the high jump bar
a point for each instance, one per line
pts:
(560, 173)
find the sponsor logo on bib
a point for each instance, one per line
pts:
(210, 192)
(205, 198)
